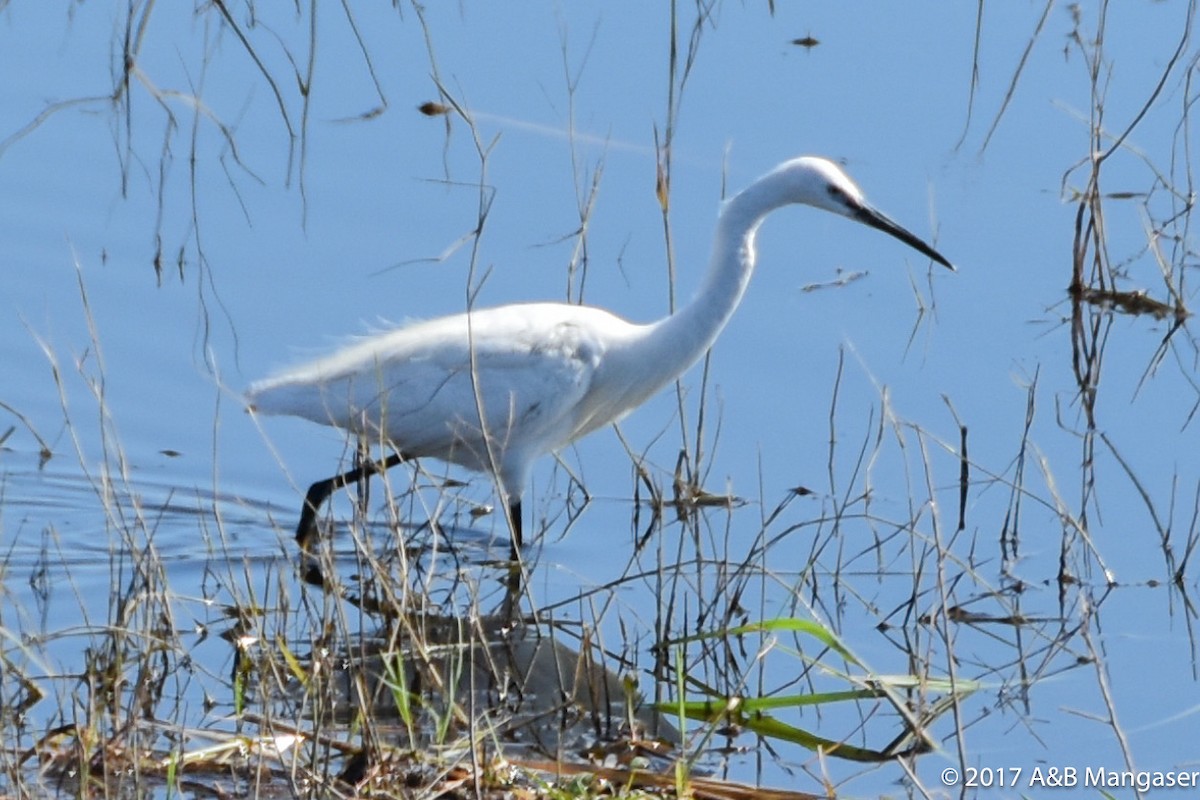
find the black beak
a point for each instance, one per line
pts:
(876, 219)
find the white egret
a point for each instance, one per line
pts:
(495, 388)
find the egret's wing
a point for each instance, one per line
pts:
(523, 371)
(523, 382)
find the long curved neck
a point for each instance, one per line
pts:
(678, 341)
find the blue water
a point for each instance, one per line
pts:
(132, 377)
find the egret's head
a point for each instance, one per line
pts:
(820, 183)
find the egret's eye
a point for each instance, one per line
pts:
(838, 194)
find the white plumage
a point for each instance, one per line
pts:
(495, 389)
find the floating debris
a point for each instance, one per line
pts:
(432, 109)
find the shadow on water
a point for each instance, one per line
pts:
(115, 671)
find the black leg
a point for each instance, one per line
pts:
(511, 606)
(514, 514)
(318, 493)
